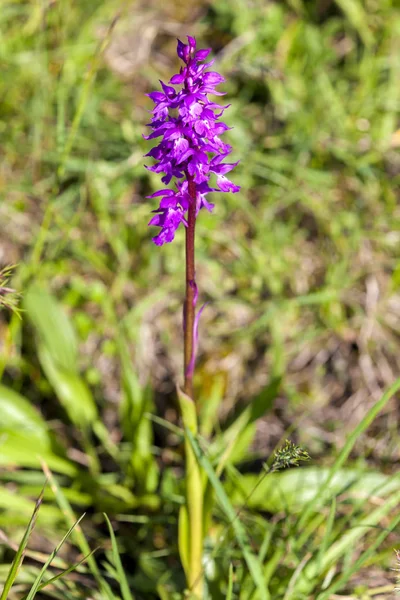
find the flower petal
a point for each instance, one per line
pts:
(225, 185)
(202, 54)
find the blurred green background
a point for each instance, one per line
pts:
(301, 269)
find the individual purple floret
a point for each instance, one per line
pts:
(190, 149)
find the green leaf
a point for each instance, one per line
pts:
(209, 404)
(18, 448)
(356, 14)
(137, 402)
(17, 413)
(333, 554)
(122, 580)
(236, 439)
(24, 436)
(133, 400)
(37, 583)
(58, 354)
(183, 539)
(19, 557)
(192, 536)
(229, 593)
(371, 550)
(353, 437)
(78, 535)
(70, 569)
(294, 489)
(327, 536)
(17, 508)
(71, 390)
(243, 539)
(52, 326)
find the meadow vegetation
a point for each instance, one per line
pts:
(300, 339)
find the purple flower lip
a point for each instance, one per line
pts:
(187, 122)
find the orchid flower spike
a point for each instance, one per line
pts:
(190, 150)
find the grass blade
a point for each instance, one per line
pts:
(346, 541)
(84, 97)
(327, 535)
(355, 13)
(122, 580)
(70, 569)
(345, 576)
(77, 533)
(19, 557)
(361, 427)
(229, 594)
(38, 580)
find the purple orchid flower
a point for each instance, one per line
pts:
(190, 149)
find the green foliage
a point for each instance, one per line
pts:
(19, 556)
(120, 573)
(243, 539)
(301, 270)
(37, 584)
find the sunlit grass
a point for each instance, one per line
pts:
(301, 270)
